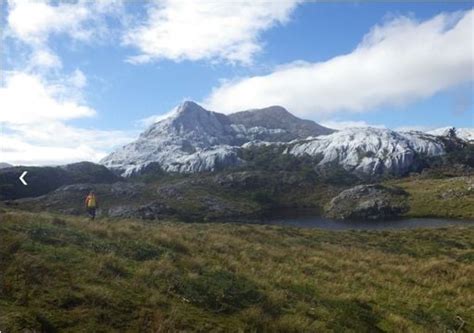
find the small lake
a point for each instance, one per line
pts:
(312, 221)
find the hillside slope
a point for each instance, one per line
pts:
(67, 274)
(449, 197)
(42, 180)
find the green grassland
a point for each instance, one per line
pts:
(67, 274)
(446, 197)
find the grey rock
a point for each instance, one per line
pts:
(368, 202)
(173, 192)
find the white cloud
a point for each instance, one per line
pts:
(34, 22)
(37, 101)
(342, 124)
(78, 79)
(54, 143)
(34, 112)
(26, 98)
(210, 30)
(44, 58)
(396, 63)
(420, 128)
(148, 121)
(24, 153)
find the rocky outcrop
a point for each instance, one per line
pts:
(206, 208)
(185, 200)
(368, 202)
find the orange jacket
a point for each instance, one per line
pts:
(91, 201)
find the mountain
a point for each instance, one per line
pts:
(285, 126)
(466, 134)
(193, 139)
(370, 150)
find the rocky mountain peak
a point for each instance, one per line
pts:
(189, 107)
(190, 116)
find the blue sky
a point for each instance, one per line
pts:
(103, 67)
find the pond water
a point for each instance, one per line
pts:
(308, 220)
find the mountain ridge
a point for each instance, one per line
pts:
(192, 139)
(465, 133)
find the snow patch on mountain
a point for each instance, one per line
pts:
(370, 150)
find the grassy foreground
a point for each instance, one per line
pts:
(66, 274)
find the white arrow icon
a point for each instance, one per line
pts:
(23, 176)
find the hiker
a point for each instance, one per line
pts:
(91, 204)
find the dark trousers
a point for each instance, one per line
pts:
(91, 212)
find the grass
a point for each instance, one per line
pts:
(448, 197)
(66, 274)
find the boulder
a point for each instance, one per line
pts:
(368, 202)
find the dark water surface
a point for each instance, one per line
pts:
(312, 221)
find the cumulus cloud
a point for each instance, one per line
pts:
(26, 98)
(34, 22)
(54, 143)
(21, 152)
(33, 120)
(37, 99)
(398, 62)
(209, 30)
